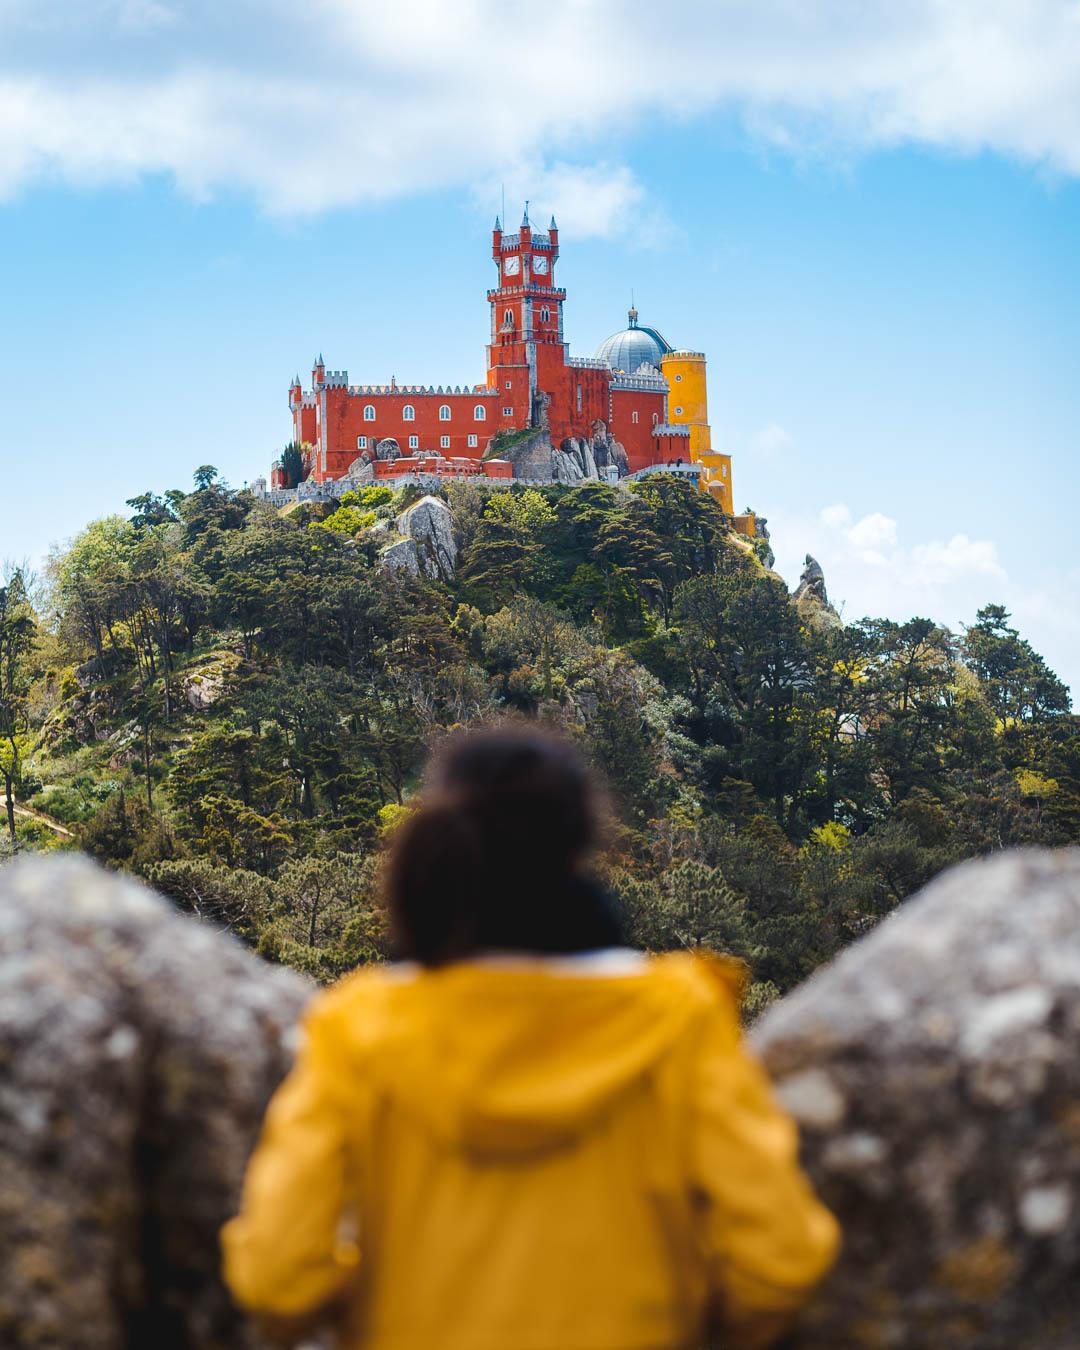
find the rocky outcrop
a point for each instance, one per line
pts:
(139, 1050)
(934, 1068)
(400, 556)
(577, 459)
(530, 455)
(573, 462)
(388, 448)
(763, 545)
(206, 684)
(361, 470)
(812, 599)
(580, 458)
(428, 525)
(607, 451)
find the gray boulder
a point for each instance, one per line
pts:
(608, 452)
(139, 1050)
(400, 556)
(934, 1069)
(812, 598)
(428, 523)
(573, 462)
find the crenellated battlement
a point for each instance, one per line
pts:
(653, 383)
(422, 390)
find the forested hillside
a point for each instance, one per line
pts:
(237, 704)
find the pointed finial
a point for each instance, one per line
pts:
(321, 362)
(525, 217)
(498, 223)
(553, 226)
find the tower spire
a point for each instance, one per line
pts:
(525, 217)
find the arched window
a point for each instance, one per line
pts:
(655, 418)
(444, 412)
(369, 412)
(479, 413)
(634, 418)
(545, 314)
(408, 413)
(508, 316)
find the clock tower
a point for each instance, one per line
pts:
(526, 354)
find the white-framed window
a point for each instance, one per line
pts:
(369, 412)
(479, 413)
(508, 316)
(579, 398)
(678, 379)
(508, 412)
(444, 412)
(508, 384)
(545, 314)
(408, 413)
(634, 418)
(678, 412)
(655, 418)
(473, 441)
(723, 470)
(414, 442)
(444, 442)
(361, 442)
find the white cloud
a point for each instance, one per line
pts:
(771, 440)
(958, 556)
(339, 102)
(836, 516)
(871, 535)
(589, 199)
(947, 580)
(870, 569)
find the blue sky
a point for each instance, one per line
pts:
(870, 223)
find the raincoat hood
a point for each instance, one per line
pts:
(502, 1056)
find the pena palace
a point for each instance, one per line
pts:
(637, 405)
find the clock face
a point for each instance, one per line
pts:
(540, 265)
(512, 265)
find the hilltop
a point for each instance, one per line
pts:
(237, 703)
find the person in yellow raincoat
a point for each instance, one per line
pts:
(524, 1135)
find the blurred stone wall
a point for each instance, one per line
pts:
(934, 1069)
(138, 1049)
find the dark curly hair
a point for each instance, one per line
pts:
(495, 856)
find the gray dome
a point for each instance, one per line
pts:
(633, 347)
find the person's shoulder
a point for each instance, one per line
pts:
(706, 979)
(359, 1008)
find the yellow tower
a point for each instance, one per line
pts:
(688, 405)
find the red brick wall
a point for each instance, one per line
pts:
(346, 423)
(562, 383)
(636, 437)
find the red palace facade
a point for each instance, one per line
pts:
(532, 382)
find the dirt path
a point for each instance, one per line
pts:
(45, 820)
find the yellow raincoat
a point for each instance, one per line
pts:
(519, 1154)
